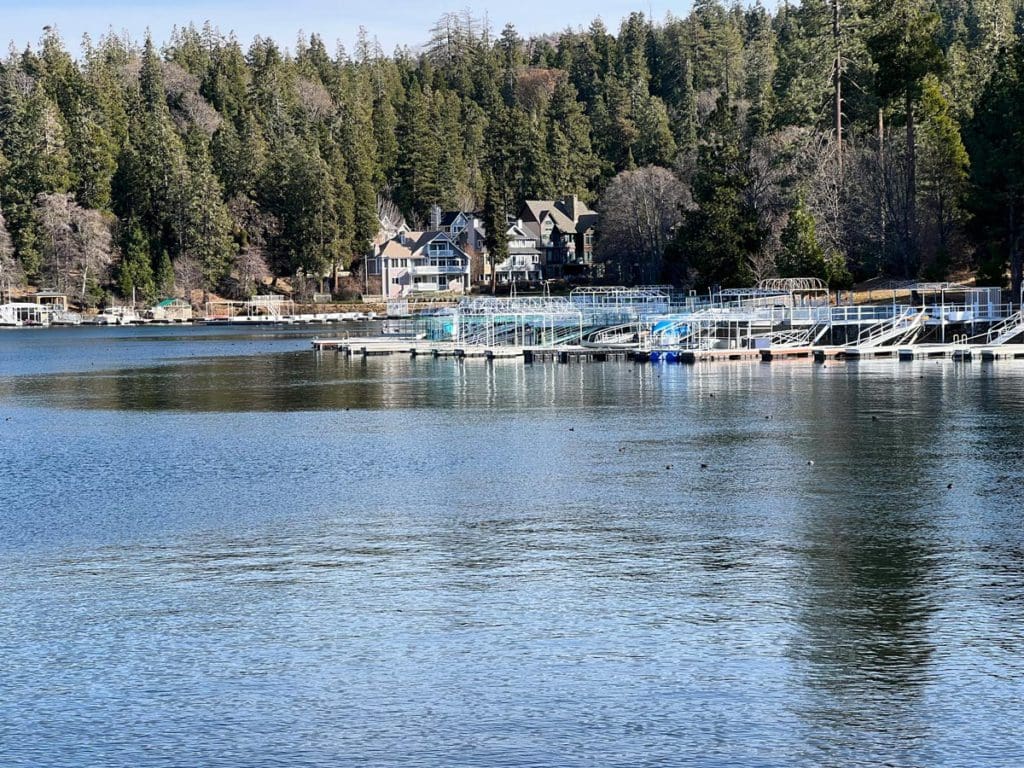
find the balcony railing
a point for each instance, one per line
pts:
(433, 269)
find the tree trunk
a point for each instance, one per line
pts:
(837, 85)
(882, 178)
(1016, 262)
(911, 218)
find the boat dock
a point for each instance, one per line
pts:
(378, 346)
(381, 346)
(779, 319)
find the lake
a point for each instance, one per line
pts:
(219, 548)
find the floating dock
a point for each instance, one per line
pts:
(377, 346)
(381, 346)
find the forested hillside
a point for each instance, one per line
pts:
(846, 139)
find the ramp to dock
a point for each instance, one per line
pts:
(1005, 331)
(902, 329)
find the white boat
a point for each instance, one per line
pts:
(114, 316)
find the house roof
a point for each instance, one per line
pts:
(569, 214)
(415, 245)
(517, 229)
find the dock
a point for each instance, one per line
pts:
(818, 353)
(1002, 352)
(377, 346)
(788, 319)
(702, 355)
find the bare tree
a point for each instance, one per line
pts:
(11, 273)
(314, 99)
(77, 244)
(390, 215)
(95, 252)
(188, 107)
(250, 268)
(254, 228)
(639, 211)
(824, 195)
(188, 275)
(773, 169)
(452, 37)
(54, 214)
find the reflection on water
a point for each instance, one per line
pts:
(240, 552)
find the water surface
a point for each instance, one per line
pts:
(219, 548)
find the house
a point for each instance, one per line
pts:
(464, 227)
(523, 263)
(55, 300)
(421, 262)
(564, 230)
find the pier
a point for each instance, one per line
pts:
(791, 319)
(377, 346)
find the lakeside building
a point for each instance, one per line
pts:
(171, 311)
(550, 238)
(564, 232)
(524, 261)
(420, 263)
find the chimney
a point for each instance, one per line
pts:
(435, 216)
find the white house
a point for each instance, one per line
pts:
(523, 263)
(419, 263)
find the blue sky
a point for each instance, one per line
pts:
(394, 22)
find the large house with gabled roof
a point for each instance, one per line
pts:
(523, 263)
(420, 263)
(564, 230)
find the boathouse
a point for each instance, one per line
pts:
(171, 311)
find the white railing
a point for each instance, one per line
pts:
(1005, 331)
(898, 329)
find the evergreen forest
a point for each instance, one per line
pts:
(845, 139)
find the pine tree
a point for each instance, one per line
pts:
(360, 152)
(135, 276)
(801, 254)
(495, 225)
(905, 48)
(416, 186)
(202, 226)
(944, 169)
(33, 140)
(997, 152)
(385, 133)
(759, 64)
(164, 277)
(571, 159)
(715, 241)
(654, 142)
